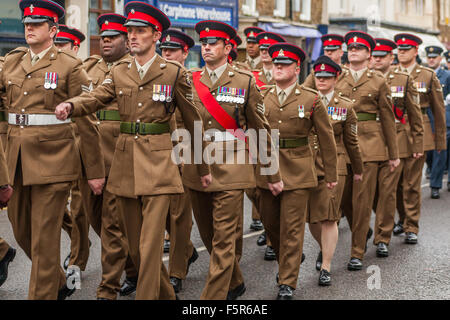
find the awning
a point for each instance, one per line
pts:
(312, 35)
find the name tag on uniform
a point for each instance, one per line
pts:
(421, 86)
(162, 92)
(397, 92)
(231, 95)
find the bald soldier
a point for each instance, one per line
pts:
(294, 110)
(376, 133)
(408, 119)
(175, 46)
(75, 221)
(147, 88)
(431, 98)
(229, 102)
(43, 157)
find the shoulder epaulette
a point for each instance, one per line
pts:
(18, 50)
(309, 89)
(69, 53)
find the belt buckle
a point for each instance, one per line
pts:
(136, 127)
(22, 119)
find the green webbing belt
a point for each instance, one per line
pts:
(364, 116)
(108, 115)
(293, 143)
(144, 128)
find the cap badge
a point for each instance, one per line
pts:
(31, 8)
(378, 44)
(329, 39)
(266, 37)
(106, 22)
(322, 67)
(168, 37)
(403, 39)
(207, 29)
(132, 11)
(355, 38)
(281, 53)
(251, 34)
(431, 49)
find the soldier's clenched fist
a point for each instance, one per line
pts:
(63, 110)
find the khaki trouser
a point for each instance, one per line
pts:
(284, 217)
(76, 224)
(386, 201)
(218, 215)
(253, 195)
(104, 219)
(36, 214)
(409, 194)
(4, 247)
(144, 221)
(346, 204)
(179, 226)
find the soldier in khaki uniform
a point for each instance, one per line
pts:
(294, 110)
(323, 208)
(409, 125)
(143, 176)
(102, 209)
(228, 99)
(175, 46)
(376, 133)
(43, 157)
(430, 90)
(7, 253)
(75, 221)
(236, 42)
(252, 57)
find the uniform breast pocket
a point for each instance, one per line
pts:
(14, 89)
(368, 97)
(124, 99)
(301, 118)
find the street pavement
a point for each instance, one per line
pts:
(410, 272)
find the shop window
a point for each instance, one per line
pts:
(280, 8)
(96, 8)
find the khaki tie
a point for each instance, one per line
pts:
(355, 76)
(213, 77)
(269, 75)
(34, 60)
(110, 64)
(325, 101)
(282, 97)
(141, 73)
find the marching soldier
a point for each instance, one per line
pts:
(294, 110)
(430, 90)
(447, 59)
(332, 46)
(229, 101)
(236, 42)
(102, 209)
(253, 57)
(437, 161)
(409, 125)
(175, 46)
(323, 208)
(376, 133)
(43, 157)
(75, 221)
(7, 253)
(144, 143)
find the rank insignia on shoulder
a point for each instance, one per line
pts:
(87, 89)
(354, 128)
(260, 108)
(188, 80)
(107, 81)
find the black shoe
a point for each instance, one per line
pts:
(128, 286)
(411, 238)
(398, 229)
(256, 225)
(324, 278)
(369, 235)
(270, 255)
(277, 279)
(435, 193)
(355, 264)
(262, 240)
(382, 250)
(192, 259)
(448, 187)
(319, 261)
(9, 257)
(303, 258)
(103, 299)
(166, 246)
(236, 292)
(65, 292)
(285, 292)
(176, 284)
(66, 261)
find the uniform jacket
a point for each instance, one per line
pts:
(97, 70)
(310, 81)
(444, 77)
(297, 166)
(377, 139)
(346, 137)
(3, 124)
(142, 164)
(48, 154)
(231, 176)
(410, 134)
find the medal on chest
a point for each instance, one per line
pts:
(301, 111)
(397, 92)
(51, 80)
(230, 95)
(421, 87)
(162, 93)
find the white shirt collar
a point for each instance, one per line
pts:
(41, 54)
(329, 96)
(146, 66)
(410, 68)
(288, 90)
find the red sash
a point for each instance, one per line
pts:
(259, 83)
(214, 108)
(399, 114)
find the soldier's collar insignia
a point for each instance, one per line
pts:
(297, 91)
(336, 100)
(230, 74)
(162, 65)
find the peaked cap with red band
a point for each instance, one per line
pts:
(38, 11)
(406, 41)
(236, 41)
(286, 53)
(353, 38)
(332, 41)
(142, 14)
(383, 47)
(175, 39)
(251, 33)
(215, 29)
(325, 67)
(111, 24)
(232, 56)
(68, 34)
(266, 39)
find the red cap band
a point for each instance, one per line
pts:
(113, 26)
(407, 41)
(142, 16)
(40, 12)
(184, 46)
(214, 33)
(383, 48)
(359, 40)
(325, 68)
(70, 36)
(287, 54)
(332, 42)
(268, 41)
